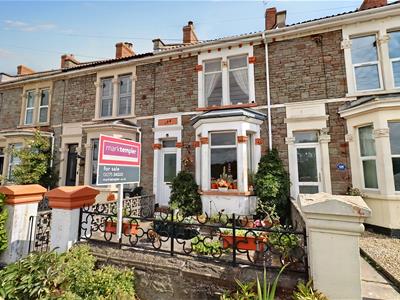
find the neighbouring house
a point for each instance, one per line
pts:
(325, 93)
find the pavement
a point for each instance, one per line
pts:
(374, 286)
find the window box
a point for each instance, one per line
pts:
(127, 228)
(251, 243)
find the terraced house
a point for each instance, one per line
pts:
(325, 93)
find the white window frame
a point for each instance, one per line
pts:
(238, 69)
(224, 55)
(370, 63)
(32, 108)
(393, 60)
(128, 94)
(108, 98)
(43, 106)
(233, 146)
(394, 156)
(11, 163)
(214, 72)
(92, 141)
(366, 158)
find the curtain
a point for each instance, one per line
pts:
(367, 142)
(242, 80)
(211, 81)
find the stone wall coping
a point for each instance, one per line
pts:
(334, 205)
(72, 197)
(21, 194)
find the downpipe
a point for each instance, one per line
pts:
(268, 91)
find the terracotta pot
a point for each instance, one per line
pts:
(127, 228)
(243, 242)
(214, 186)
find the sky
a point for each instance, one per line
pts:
(37, 33)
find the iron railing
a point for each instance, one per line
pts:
(224, 238)
(39, 232)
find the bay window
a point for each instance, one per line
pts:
(44, 106)
(368, 156)
(125, 94)
(365, 60)
(394, 56)
(106, 97)
(223, 162)
(394, 135)
(30, 107)
(213, 82)
(238, 79)
(94, 162)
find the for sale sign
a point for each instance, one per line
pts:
(119, 161)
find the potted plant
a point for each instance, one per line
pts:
(214, 184)
(223, 185)
(245, 240)
(283, 244)
(129, 226)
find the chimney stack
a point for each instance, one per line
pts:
(124, 49)
(270, 18)
(189, 36)
(23, 70)
(372, 3)
(68, 61)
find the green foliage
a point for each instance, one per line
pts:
(268, 291)
(272, 185)
(69, 276)
(264, 290)
(283, 242)
(35, 166)
(201, 246)
(306, 292)
(3, 220)
(185, 195)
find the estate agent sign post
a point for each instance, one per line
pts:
(119, 163)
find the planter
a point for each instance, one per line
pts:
(127, 228)
(174, 230)
(223, 189)
(243, 242)
(214, 186)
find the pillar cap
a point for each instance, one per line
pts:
(22, 194)
(72, 197)
(327, 204)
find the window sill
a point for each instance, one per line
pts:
(246, 105)
(35, 125)
(227, 193)
(373, 92)
(114, 118)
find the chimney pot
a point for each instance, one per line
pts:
(124, 49)
(270, 18)
(189, 35)
(372, 3)
(24, 70)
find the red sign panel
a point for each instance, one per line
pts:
(119, 152)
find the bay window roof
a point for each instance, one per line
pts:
(225, 113)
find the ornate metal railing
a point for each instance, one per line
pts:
(224, 238)
(39, 232)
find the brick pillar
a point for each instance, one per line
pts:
(21, 203)
(66, 203)
(334, 224)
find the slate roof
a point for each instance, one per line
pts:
(229, 112)
(365, 99)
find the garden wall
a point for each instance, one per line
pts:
(160, 276)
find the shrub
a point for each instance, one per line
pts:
(69, 276)
(272, 185)
(306, 292)
(185, 195)
(35, 166)
(3, 220)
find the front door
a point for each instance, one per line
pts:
(70, 179)
(308, 169)
(167, 171)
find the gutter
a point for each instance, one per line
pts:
(268, 92)
(302, 28)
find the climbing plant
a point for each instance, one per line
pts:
(3, 219)
(35, 162)
(272, 185)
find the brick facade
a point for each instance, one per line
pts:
(10, 108)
